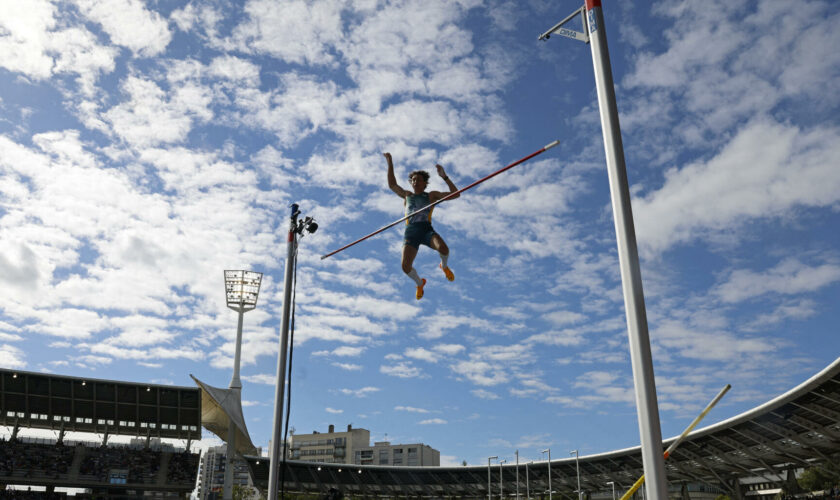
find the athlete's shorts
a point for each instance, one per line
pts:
(419, 233)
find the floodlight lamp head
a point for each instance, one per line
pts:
(310, 225)
(242, 289)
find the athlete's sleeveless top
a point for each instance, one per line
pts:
(414, 202)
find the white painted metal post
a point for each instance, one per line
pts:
(517, 474)
(235, 383)
(628, 257)
(277, 447)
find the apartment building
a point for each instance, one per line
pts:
(353, 447)
(211, 473)
(331, 447)
(385, 453)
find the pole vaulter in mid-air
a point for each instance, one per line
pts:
(418, 218)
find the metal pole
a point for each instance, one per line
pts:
(236, 384)
(527, 482)
(517, 474)
(501, 481)
(277, 448)
(577, 468)
(613, 488)
(489, 496)
(549, 471)
(628, 257)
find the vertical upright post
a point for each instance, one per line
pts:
(548, 450)
(278, 448)
(517, 474)
(527, 482)
(235, 384)
(489, 494)
(628, 257)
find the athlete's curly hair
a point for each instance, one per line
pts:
(421, 173)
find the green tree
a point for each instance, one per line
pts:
(818, 478)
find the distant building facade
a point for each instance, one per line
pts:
(211, 473)
(328, 447)
(353, 447)
(385, 453)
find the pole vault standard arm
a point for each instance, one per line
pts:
(448, 196)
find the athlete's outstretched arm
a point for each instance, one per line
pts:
(436, 195)
(392, 179)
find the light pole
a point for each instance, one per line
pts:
(577, 466)
(242, 288)
(517, 474)
(489, 496)
(501, 480)
(613, 488)
(527, 481)
(548, 450)
(296, 231)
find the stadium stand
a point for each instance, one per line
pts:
(99, 409)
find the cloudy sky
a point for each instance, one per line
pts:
(145, 147)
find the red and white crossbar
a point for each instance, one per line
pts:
(450, 195)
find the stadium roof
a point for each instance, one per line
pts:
(46, 401)
(800, 428)
(221, 409)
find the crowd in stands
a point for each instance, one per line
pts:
(23, 459)
(142, 465)
(31, 495)
(45, 461)
(183, 468)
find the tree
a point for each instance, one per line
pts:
(464, 463)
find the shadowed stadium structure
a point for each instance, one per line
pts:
(105, 408)
(798, 429)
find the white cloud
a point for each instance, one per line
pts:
(421, 354)
(765, 171)
(448, 349)
(129, 24)
(401, 370)
(333, 410)
(432, 421)
(342, 351)
(484, 394)
(789, 277)
(261, 378)
(12, 357)
(360, 393)
(564, 317)
(152, 116)
(295, 31)
(410, 409)
(348, 366)
(33, 44)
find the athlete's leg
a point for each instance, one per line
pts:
(408, 254)
(438, 244)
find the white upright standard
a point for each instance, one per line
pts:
(242, 288)
(647, 408)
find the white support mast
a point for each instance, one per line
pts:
(628, 256)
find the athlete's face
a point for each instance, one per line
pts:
(418, 183)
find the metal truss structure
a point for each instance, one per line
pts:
(800, 428)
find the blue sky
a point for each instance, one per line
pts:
(147, 146)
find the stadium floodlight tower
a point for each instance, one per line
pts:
(242, 289)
